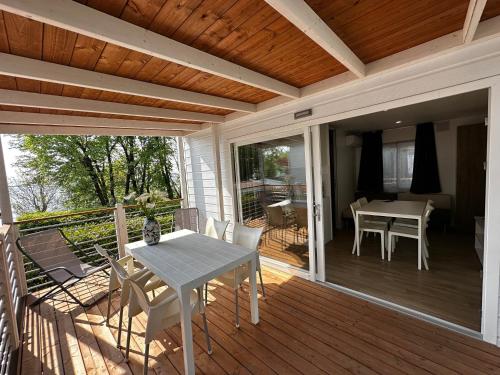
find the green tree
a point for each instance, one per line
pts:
(101, 170)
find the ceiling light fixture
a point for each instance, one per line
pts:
(399, 122)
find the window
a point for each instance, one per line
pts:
(398, 166)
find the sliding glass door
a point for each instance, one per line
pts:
(271, 181)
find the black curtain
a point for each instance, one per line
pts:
(425, 166)
(371, 174)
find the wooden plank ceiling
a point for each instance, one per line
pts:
(247, 32)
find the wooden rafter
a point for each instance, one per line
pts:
(472, 19)
(56, 102)
(304, 18)
(23, 67)
(81, 19)
(25, 118)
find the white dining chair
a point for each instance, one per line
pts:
(163, 311)
(412, 223)
(249, 238)
(216, 228)
(374, 219)
(409, 232)
(362, 226)
(121, 272)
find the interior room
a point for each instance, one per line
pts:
(432, 153)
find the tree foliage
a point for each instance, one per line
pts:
(100, 170)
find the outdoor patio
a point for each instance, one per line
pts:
(305, 328)
(258, 100)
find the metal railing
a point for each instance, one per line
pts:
(86, 228)
(255, 198)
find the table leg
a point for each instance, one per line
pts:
(419, 243)
(254, 303)
(187, 332)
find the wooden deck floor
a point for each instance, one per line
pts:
(305, 328)
(284, 245)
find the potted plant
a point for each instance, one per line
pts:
(148, 203)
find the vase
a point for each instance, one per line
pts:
(151, 231)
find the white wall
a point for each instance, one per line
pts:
(200, 175)
(346, 174)
(459, 70)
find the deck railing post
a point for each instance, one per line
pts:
(19, 259)
(7, 218)
(182, 172)
(5, 288)
(121, 229)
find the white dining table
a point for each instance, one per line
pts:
(397, 209)
(186, 260)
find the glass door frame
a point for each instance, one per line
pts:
(314, 214)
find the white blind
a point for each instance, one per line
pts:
(398, 166)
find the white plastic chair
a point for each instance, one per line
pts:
(215, 228)
(121, 272)
(362, 226)
(374, 219)
(163, 311)
(412, 223)
(405, 231)
(249, 238)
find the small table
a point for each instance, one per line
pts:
(186, 260)
(402, 209)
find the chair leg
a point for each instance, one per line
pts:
(207, 336)
(146, 358)
(129, 333)
(237, 304)
(382, 249)
(389, 246)
(424, 258)
(354, 244)
(50, 293)
(120, 320)
(109, 308)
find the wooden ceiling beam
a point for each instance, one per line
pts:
(27, 118)
(472, 19)
(70, 15)
(84, 130)
(306, 20)
(24, 67)
(56, 102)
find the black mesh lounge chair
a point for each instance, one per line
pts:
(49, 251)
(186, 218)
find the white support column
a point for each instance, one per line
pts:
(5, 206)
(217, 171)
(182, 172)
(121, 229)
(7, 218)
(491, 267)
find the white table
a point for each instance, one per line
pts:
(397, 209)
(186, 260)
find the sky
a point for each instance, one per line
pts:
(10, 155)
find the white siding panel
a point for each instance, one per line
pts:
(200, 175)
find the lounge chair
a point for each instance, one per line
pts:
(49, 251)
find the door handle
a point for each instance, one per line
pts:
(317, 211)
